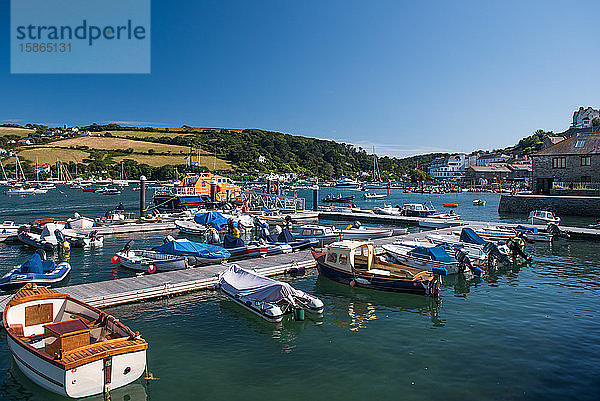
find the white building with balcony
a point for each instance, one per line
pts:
(449, 168)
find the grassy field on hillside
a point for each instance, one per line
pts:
(159, 160)
(50, 155)
(22, 132)
(108, 143)
(145, 134)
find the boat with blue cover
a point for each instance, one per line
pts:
(423, 257)
(474, 246)
(148, 261)
(355, 263)
(35, 271)
(196, 253)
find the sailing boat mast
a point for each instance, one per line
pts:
(376, 175)
(37, 170)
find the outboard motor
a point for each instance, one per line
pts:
(516, 248)
(356, 224)
(127, 246)
(492, 251)
(93, 234)
(555, 231)
(464, 261)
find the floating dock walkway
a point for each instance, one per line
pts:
(149, 286)
(577, 233)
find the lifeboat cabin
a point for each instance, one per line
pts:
(195, 191)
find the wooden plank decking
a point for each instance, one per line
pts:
(144, 287)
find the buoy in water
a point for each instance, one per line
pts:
(115, 259)
(299, 314)
(151, 269)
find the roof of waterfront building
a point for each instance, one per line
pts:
(580, 144)
(493, 168)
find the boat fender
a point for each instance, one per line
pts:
(352, 283)
(115, 259)
(152, 269)
(349, 226)
(477, 271)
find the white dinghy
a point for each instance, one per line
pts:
(268, 298)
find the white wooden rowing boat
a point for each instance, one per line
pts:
(69, 347)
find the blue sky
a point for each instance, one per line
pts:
(409, 77)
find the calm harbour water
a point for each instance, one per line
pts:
(530, 332)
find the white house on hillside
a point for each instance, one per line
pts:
(583, 118)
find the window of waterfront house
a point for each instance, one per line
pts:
(580, 143)
(332, 257)
(559, 162)
(586, 160)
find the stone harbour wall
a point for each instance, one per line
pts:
(588, 206)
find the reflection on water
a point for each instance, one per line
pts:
(360, 314)
(355, 307)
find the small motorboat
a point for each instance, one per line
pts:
(355, 263)
(42, 238)
(8, 231)
(423, 257)
(543, 217)
(532, 234)
(387, 210)
(327, 235)
(196, 253)
(25, 191)
(368, 196)
(113, 217)
(148, 261)
(80, 223)
(69, 347)
(480, 251)
(190, 227)
(268, 298)
(496, 233)
(286, 237)
(36, 270)
(331, 198)
(479, 202)
(108, 191)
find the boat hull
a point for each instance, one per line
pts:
(421, 263)
(83, 381)
(28, 240)
(275, 315)
(373, 282)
